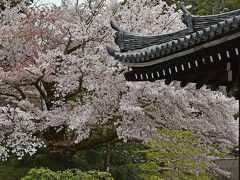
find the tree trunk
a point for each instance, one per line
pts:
(108, 156)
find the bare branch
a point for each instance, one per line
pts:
(44, 96)
(21, 92)
(10, 95)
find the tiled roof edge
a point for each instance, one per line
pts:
(184, 52)
(127, 41)
(188, 40)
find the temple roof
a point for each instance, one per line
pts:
(201, 32)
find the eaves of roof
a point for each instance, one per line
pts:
(201, 30)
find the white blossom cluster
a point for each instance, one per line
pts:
(55, 73)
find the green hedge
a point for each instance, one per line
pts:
(73, 174)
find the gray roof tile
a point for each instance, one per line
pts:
(137, 49)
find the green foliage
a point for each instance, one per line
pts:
(125, 159)
(9, 172)
(170, 155)
(14, 3)
(89, 159)
(126, 172)
(205, 7)
(175, 154)
(15, 169)
(73, 174)
(217, 151)
(234, 92)
(128, 153)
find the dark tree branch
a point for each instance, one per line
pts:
(69, 51)
(44, 96)
(57, 147)
(10, 95)
(21, 92)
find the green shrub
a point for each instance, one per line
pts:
(72, 174)
(175, 155)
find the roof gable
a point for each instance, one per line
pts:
(200, 30)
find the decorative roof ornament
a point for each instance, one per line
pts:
(208, 42)
(187, 16)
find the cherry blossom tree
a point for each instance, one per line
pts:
(58, 85)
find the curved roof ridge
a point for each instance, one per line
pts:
(234, 12)
(143, 63)
(152, 52)
(129, 41)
